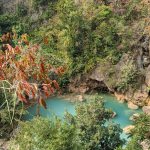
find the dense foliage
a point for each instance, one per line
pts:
(140, 133)
(86, 130)
(77, 35)
(53, 135)
(25, 77)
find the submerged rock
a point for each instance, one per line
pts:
(114, 114)
(132, 106)
(146, 109)
(128, 129)
(134, 117)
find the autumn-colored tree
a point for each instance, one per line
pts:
(25, 74)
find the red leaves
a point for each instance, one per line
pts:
(46, 41)
(42, 68)
(21, 97)
(27, 72)
(56, 84)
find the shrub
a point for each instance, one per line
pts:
(86, 130)
(53, 135)
(129, 75)
(93, 131)
(22, 10)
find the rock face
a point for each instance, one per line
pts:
(132, 106)
(146, 109)
(132, 70)
(108, 77)
(128, 129)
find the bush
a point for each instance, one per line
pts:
(93, 131)
(37, 3)
(22, 10)
(87, 130)
(139, 133)
(53, 135)
(6, 22)
(129, 76)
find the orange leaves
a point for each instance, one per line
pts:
(28, 72)
(60, 70)
(45, 40)
(24, 39)
(56, 84)
(42, 68)
(6, 37)
(21, 97)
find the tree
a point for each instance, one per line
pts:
(87, 130)
(53, 135)
(94, 131)
(140, 133)
(24, 74)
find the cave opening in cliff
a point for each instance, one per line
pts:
(101, 90)
(97, 87)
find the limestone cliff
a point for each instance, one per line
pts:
(109, 77)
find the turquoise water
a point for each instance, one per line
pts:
(58, 107)
(55, 106)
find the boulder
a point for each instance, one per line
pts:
(97, 74)
(128, 129)
(132, 106)
(114, 114)
(146, 109)
(80, 98)
(120, 97)
(145, 144)
(134, 117)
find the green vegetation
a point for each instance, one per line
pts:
(9, 114)
(86, 130)
(78, 37)
(139, 133)
(129, 77)
(54, 135)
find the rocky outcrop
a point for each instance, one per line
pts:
(134, 117)
(128, 129)
(120, 97)
(109, 77)
(146, 109)
(132, 106)
(129, 78)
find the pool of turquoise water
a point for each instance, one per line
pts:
(57, 106)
